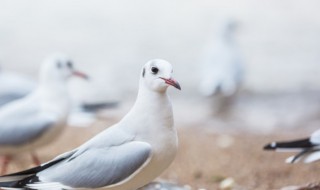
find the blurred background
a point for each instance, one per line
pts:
(277, 42)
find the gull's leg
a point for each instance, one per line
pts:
(5, 162)
(35, 159)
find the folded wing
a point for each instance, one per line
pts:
(98, 167)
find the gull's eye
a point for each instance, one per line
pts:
(154, 70)
(69, 64)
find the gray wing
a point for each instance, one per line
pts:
(19, 129)
(14, 86)
(4, 99)
(99, 167)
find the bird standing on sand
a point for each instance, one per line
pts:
(37, 119)
(125, 156)
(308, 148)
(222, 69)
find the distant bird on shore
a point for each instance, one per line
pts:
(14, 86)
(308, 148)
(222, 69)
(38, 118)
(127, 155)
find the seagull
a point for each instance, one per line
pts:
(125, 156)
(84, 114)
(38, 118)
(14, 86)
(308, 148)
(222, 67)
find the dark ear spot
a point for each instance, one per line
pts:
(143, 72)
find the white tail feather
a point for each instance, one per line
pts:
(48, 186)
(291, 160)
(312, 157)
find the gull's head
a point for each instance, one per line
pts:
(59, 68)
(157, 75)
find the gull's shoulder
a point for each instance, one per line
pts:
(112, 136)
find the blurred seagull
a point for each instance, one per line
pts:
(308, 149)
(14, 86)
(37, 119)
(222, 69)
(125, 156)
(85, 114)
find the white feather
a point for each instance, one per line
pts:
(312, 157)
(290, 160)
(48, 186)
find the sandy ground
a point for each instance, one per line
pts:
(214, 148)
(202, 163)
(206, 157)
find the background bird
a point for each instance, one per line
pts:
(222, 69)
(84, 114)
(125, 156)
(14, 86)
(37, 119)
(308, 148)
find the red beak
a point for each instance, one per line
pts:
(80, 74)
(172, 82)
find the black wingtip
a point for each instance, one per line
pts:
(34, 170)
(297, 144)
(271, 146)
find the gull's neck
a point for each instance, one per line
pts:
(152, 106)
(54, 96)
(148, 98)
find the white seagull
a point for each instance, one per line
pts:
(14, 86)
(37, 119)
(308, 148)
(125, 156)
(222, 71)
